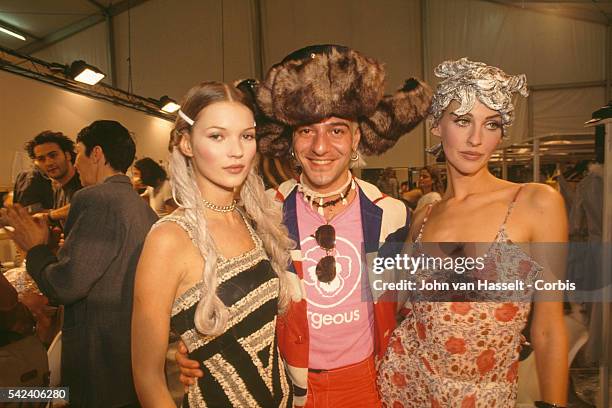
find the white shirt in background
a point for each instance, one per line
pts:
(158, 196)
(427, 199)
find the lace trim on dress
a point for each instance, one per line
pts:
(237, 312)
(227, 268)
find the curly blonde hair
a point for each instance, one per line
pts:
(211, 313)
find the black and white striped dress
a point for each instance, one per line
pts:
(242, 366)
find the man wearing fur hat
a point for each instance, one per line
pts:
(324, 106)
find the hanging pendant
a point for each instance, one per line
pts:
(320, 211)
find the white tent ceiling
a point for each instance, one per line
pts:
(40, 20)
(165, 46)
(43, 22)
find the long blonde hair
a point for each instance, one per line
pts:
(211, 313)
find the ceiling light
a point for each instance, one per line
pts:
(12, 33)
(168, 104)
(83, 72)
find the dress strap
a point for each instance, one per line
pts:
(511, 206)
(429, 206)
(251, 228)
(179, 219)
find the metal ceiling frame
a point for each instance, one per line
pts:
(17, 30)
(53, 74)
(106, 14)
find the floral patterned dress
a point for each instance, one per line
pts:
(461, 354)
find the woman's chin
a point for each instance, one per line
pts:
(466, 168)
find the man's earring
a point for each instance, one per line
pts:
(295, 162)
(354, 155)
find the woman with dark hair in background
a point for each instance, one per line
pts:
(149, 174)
(431, 185)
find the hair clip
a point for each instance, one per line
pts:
(186, 118)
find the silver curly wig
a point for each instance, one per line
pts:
(465, 80)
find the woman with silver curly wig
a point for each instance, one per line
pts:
(214, 271)
(461, 349)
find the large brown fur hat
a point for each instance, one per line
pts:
(321, 81)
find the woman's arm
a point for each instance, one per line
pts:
(548, 332)
(549, 340)
(157, 277)
(408, 249)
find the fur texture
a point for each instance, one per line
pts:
(333, 83)
(395, 116)
(318, 82)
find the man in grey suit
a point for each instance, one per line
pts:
(93, 273)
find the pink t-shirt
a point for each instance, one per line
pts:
(340, 313)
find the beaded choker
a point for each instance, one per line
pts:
(342, 198)
(219, 208)
(315, 199)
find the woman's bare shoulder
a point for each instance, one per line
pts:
(169, 256)
(169, 237)
(544, 213)
(542, 197)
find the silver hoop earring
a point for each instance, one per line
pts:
(294, 161)
(354, 155)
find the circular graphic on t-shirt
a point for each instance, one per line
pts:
(348, 272)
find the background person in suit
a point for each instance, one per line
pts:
(93, 273)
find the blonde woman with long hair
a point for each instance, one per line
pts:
(213, 272)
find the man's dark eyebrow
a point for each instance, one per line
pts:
(325, 124)
(47, 154)
(338, 124)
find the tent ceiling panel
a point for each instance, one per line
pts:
(597, 11)
(565, 110)
(44, 22)
(547, 48)
(41, 18)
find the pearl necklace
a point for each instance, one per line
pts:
(219, 208)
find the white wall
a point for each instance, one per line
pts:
(27, 107)
(176, 45)
(547, 48)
